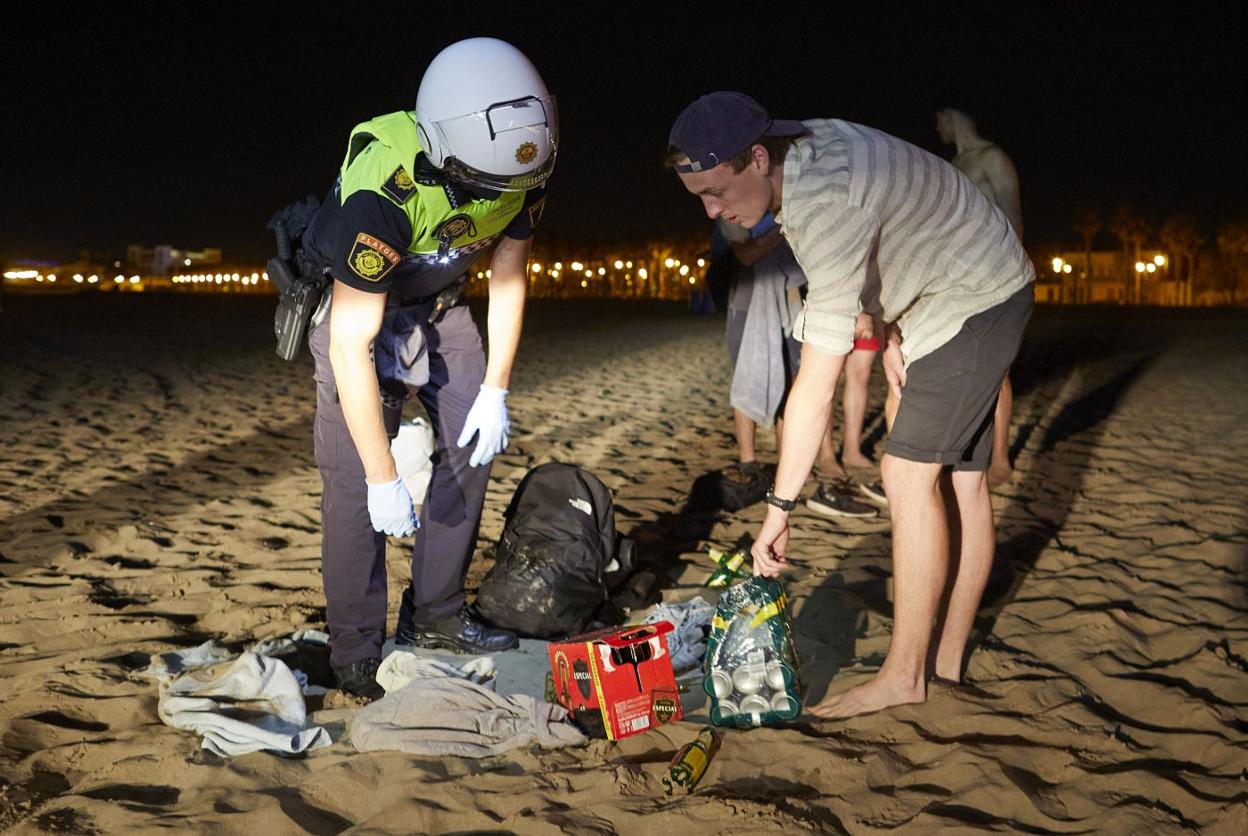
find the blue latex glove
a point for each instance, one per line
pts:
(488, 421)
(390, 507)
(767, 224)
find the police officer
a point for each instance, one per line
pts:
(420, 194)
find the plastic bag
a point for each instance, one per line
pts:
(751, 670)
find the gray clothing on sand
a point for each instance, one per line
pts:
(442, 712)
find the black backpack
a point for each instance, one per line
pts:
(553, 566)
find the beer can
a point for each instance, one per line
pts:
(721, 684)
(746, 681)
(723, 710)
(783, 704)
(755, 704)
(775, 676)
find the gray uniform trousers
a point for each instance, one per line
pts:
(353, 564)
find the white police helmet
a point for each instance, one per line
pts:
(485, 117)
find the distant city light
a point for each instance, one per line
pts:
(584, 283)
(1152, 268)
(1065, 268)
(1057, 265)
(684, 270)
(643, 273)
(701, 262)
(1139, 267)
(537, 268)
(619, 265)
(667, 262)
(1159, 260)
(602, 271)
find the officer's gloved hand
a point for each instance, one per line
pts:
(488, 420)
(390, 507)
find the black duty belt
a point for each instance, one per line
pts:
(442, 301)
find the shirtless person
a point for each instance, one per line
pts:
(991, 170)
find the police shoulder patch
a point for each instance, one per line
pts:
(399, 186)
(370, 258)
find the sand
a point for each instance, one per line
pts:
(157, 488)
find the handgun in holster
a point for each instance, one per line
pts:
(447, 299)
(300, 283)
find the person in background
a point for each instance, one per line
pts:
(992, 171)
(763, 300)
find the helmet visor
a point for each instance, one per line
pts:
(508, 147)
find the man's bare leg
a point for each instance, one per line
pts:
(854, 404)
(891, 404)
(920, 561)
(1000, 470)
(974, 509)
(743, 428)
(827, 465)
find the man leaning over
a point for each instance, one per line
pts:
(881, 225)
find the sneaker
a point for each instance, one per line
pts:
(834, 500)
(874, 491)
(463, 632)
(360, 678)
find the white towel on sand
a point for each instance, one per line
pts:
(247, 704)
(441, 712)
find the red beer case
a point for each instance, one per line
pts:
(616, 682)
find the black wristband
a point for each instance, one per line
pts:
(782, 504)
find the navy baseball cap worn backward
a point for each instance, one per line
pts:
(719, 125)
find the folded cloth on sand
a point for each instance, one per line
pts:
(691, 624)
(401, 667)
(440, 712)
(247, 704)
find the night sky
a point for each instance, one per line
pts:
(190, 124)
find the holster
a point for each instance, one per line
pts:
(300, 280)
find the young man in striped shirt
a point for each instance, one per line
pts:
(881, 226)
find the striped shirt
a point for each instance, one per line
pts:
(880, 225)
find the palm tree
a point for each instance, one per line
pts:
(1087, 223)
(1232, 241)
(1130, 228)
(1181, 237)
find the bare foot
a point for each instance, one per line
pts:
(831, 471)
(999, 473)
(876, 695)
(857, 460)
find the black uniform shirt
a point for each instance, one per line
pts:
(338, 227)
